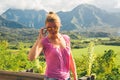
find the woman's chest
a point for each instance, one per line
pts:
(56, 50)
(58, 43)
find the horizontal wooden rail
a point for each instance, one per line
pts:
(9, 75)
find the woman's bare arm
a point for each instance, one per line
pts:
(35, 50)
(37, 47)
(73, 67)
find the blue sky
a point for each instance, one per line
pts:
(56, 5)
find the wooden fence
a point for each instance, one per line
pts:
(10, 75)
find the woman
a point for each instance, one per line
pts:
(56, 48)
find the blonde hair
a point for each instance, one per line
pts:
(52, 17)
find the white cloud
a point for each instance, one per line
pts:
(118, 4)
(105, 4)
(66, 5)
(55, 5)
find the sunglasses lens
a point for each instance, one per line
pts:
(49, 28)
(52, 28)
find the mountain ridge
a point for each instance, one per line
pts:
(84, 17)
(10, 24)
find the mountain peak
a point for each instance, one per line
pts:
(86, 7)
(84, 16)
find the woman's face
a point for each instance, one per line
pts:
(53, 27)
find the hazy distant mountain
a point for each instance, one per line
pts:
(89, 17)
(30, 18)
(10, 24)
(83, 17)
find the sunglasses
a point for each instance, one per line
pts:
(52, 28)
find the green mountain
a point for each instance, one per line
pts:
(10, 24)
(30, 18)
(82, 18)
(90, 18)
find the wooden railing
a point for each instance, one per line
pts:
(8, 75)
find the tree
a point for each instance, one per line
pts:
(105, 68)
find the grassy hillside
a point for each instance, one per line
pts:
(98, 50)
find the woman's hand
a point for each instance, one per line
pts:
(42, 33)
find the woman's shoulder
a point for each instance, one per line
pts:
(66, 37)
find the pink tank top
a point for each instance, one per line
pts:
(57, 59)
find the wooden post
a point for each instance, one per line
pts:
(92, 77)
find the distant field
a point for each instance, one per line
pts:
(98, 50)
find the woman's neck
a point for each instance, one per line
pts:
(56, 36)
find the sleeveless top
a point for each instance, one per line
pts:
(57, 59)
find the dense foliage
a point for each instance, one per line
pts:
(17, 60)
(103, 67)
(15, 44)
(18, 34)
